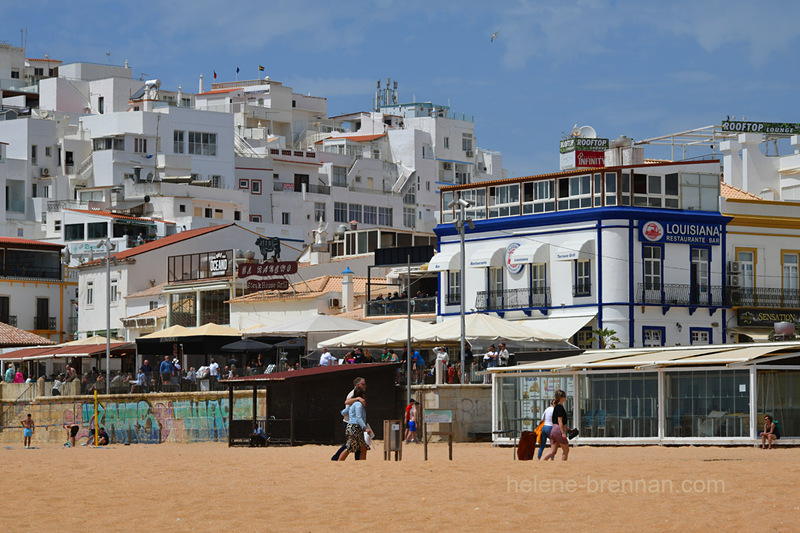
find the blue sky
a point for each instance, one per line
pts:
(641, 69)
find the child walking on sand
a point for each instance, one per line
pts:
(412, 423)
(29, 426)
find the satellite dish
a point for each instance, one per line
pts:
(587, 132)
(576, 131)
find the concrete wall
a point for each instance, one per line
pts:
(137, 419)
(471, 405)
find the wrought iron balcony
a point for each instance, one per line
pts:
(72, 325)
(762, 297)
(400, 306)
(582, 289)
(680, 294)
(453, 298)
(11, 320)
(513, 298)
(44, 322)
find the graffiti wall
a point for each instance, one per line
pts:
(149, 419)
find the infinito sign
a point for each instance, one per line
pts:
(680, 232)
(580, 143)
(585, 158)
(742, 126)
(281, 268)
(268, 284)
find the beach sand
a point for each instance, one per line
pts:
(210, 487)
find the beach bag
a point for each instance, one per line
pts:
(527, 446)
(777, 429)
(538, 432)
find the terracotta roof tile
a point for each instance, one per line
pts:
(156, 290)
(111, 215)
(158, 312)
(220, 91)
(735, 193)
(16, 241)
(11, 336)
(355, 138)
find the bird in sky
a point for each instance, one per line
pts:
(494, 36)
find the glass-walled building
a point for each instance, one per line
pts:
(681, 395)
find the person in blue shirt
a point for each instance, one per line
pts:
(356, 427)
(258, 437)
(166, 369)
(417, 366)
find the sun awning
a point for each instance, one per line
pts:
(757, 334)
(442, 261)
(487, 257)
(574, 249)
(535, 252)
(564, 326)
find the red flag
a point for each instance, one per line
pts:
(215, 74)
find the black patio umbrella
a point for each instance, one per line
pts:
(246, 346)
(298, 343)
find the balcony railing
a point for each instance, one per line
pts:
(11, 320)
(762, 297)
(680, 294)
(44, 322)
(72, 325)
(400, 307)
(453, 298)
(310, 188)
(582, 289)
(513, 298)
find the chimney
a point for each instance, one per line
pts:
(348, 298)
(200, 91)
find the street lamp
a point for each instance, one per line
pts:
(459, 224)
(108, 245)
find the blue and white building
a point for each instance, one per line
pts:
(638, 249)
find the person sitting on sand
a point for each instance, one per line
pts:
(770, 433)
(258, 437)
(102, 438)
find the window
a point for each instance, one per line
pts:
(790, 276)
(446, 142)
(583, 274)
(504, 201)
(181, 208)
(538, 197)
(409, 217)
(97, 230)
(217, 213)
(319, 211)
(14, 73)
(48, 151)
(57, 225)
(652, 267)
(101, 105)
(237, 215)
(410, 198)
(625, 197)
(495, 280)
(700, 191)
(652, 337)
(108, 143)
(276, 176)
(73, 232)
(38, 71)
(216, 181)
(466, 141)
(747, 258)
(338, 176)
(89, 293)
(656, 191)
(202, 143)
(453, 287)
(114, 290)
(177, 142)
(370, 214)
(154, 304)
(198, 211)
(255, 218)
(255, 187)
(208, 212)
(583, 338)
(355, 212)
(700, 335)
(286, 219)
(611, 188)
(34, 154)
(385, 216)
(339, 211)
(140, 145)
(574, 192)
(700, 291)
(244, 184)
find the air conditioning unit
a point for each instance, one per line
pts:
(448, 166)
(734, 267)
(470, 153)
(333, 303)
(734, 280)
(44, 172)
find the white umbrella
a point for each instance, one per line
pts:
(392, 333)
(315, 328)
(480, 327)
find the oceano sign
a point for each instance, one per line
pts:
(741, 126)
(680, 232)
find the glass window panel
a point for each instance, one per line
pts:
(707, 403)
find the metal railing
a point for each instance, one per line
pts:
(72, 325)
(44, 322)
(310, 188)
(582, 289)
(11, 320)
(513, 298)
(452, 298)
(400, 307)
(762, 297)
(680, 294)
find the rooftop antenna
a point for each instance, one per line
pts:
(107, 56)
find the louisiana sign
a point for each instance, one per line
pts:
(680, 232)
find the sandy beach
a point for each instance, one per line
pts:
(210, 487)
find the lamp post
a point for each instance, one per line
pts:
(459, 224)
(108, 245)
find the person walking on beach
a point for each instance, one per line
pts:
(547, 417)
(27, 432)
(412, 423)
(356, 427)
(358, 382)
(558, 434)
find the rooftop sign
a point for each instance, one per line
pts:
(741, 126)
(580, 143)
(680, 232)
